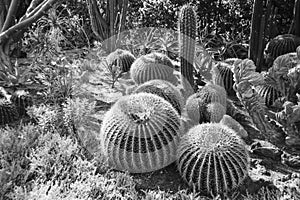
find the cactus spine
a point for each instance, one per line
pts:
(187, 42)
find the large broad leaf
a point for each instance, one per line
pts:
(203, 62)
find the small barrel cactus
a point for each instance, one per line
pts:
(268, 93)
(280, 45)
(140, 133)
(222, 75)
(121, 57)
(8, 112)
(153, 66)
(235, 125)
(197, 104)
(165, 90)
(21, 100)
(213, 159)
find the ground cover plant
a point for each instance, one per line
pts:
(204, 104)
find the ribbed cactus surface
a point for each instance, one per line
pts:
(165, 90)
(222, 75)
(8, 112)
(152, 66)
(197, 104)
(140, 133)
(121, 58)
(213, 159)
(187, 41)
(269, 94)
(21, 100)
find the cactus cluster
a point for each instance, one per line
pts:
(213, 159)
(121, 58)
(152, 66)
(222, 75)
(163, 89)
(140, 133)
(199, 107)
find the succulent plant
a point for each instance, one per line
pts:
(21, 99)
(140, 133)
(121, 57)
(268, 93)
(235, 125)
(223, 76)
(280, 45)
(165, 90)
(152, 66)
(8, 112)
(187, 41)
(213, 159)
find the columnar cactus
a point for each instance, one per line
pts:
(187, 42)
(222, 75)
(121, 57)
(152, 66)
(8, 112)
(21, 100)
(213, 159)
(163, 89)
(140, 133)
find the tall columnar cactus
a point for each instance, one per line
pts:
(152, 66)
(140, 133)
(120, 57)
(213, 158)
(187, 42)
(197, 105)
(163, 89)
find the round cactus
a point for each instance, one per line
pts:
(165, 90)
(140, 133)
(268, 93)
(281, 45)
(8, 112)
(152, 66)
(233, 124)
(120, 57)
(21, 100)
(222, 75)
(212, 158)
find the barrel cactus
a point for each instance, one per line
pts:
(213, 159)
(140, 133)
(8, 112)
(120, 57)
(269, 94)
(222, 75)
(163, 89)
(280, 45)
(21, 100)
(152, 66)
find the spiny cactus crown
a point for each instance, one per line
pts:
(140, 133)
(152, 66)
(212, 158)
(120, 57)
(163, 89)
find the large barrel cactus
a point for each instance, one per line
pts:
(187, 42)
(222, 75)
(140, 133)
(280, 45)
(120, 57)
(163, 89)
(22, 100)
(8, 112)
(213, 159)
(152, 66)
